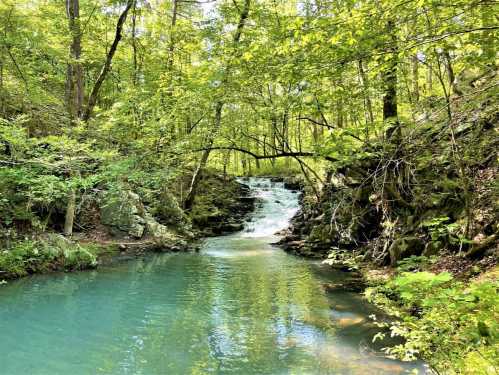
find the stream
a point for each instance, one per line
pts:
(239, 306)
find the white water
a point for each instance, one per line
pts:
(278, 206)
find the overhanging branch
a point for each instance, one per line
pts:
(261, 157)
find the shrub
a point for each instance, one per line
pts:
(28, 257)
(447, 323)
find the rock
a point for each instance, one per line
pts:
(319, 219)
(155, 229)
(169, 211)
(432, 248)
(222, 207)
(347, 285)
(122, 211)
(232, 227)
(296, 244)
(293, 183)
(482, 243)
(405, 247)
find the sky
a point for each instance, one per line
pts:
(208, 6)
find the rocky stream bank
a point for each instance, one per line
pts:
(120, 224)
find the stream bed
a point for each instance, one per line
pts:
(239, 306)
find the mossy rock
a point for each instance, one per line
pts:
(169, 211)
(433, 248)
(157, 231)
(405, 247)
(123, 211)
(321, 233)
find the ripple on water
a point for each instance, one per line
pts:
(241, 306)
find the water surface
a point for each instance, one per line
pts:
(240, 306)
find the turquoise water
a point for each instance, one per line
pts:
(240, 306)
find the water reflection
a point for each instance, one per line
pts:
(239, 307)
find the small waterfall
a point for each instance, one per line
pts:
(278, 205)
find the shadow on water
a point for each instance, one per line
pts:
(239, 307)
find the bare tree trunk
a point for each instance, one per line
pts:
(171, 47)
(74, 78)
(429, 79)
(2, 101)
(74, 94)
(450, 72)
(389, 77)
(273, 126)
(196, 177)
(70, 212)
(285, 136)
(487, 39)
(191, 195)
(415, 78)
(92, 99)
(442, 83)
(367, 99)
(134, 43)
(339, 109)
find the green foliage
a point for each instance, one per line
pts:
(344, 258)
(413, 287)
(446, 322)
(439, 228)
(27, 257)
(307, 79)
(414, 263)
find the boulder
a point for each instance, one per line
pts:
(405, 247)
(293, 183)
(433, 248)
(169, 211)
(232, 227)
(157, 230)
(122, 211)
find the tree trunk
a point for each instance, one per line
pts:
(74, 93)
(196, 177)
(2, 106)
(74, 78)
(92, 100)
(450, 72)
(171, 47)
(367, 99)
(273, 140)
(415, 78)
(134, 43)
(191, 195)
(70, 212)
(487, 39)
(389, 77)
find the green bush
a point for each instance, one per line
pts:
(28, 257)
(448, 323)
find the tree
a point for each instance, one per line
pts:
(189, 200)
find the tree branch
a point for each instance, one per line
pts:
(260, 157)
(92, 100)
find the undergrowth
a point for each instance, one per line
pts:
(29, 257)
(453, 325)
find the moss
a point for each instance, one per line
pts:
(449, 323)
(405, 247)
(51, 253)
(219, 204)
